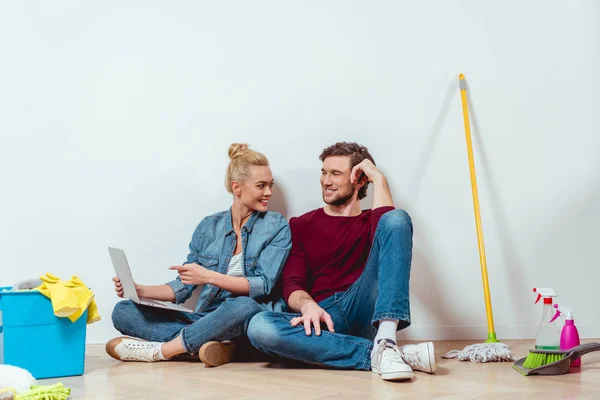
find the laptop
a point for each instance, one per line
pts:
(123, 272)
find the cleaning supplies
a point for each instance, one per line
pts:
(69, 298)
(547, 336)
(569, 336)
(34, 338)
(541, 362)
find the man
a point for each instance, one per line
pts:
(347, 278)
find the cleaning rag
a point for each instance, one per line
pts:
(69, 298)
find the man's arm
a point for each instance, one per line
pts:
(382, 197)
(298, 299)
(295, 270)
(381, 192)
(295, 286)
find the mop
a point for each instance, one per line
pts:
(492, 349)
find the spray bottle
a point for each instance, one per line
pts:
(569, 336)
(547, 336)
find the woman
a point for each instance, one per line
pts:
(236, 255)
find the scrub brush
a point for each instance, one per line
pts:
(543, 362)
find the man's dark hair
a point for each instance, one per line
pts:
(357, 154)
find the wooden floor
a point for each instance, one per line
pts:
(106, 378)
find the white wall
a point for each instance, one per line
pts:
(116, 117)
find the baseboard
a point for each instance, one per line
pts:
(480, 332)
(476, 333)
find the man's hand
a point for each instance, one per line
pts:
(313, 314)
(366, 167)
(381, 192)
(192, 274)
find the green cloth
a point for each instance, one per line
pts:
(39, 392)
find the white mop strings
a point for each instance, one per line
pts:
(482, 352)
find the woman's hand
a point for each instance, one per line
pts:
(192, 274)
(119, 287)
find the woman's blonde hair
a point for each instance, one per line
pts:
(242, 159)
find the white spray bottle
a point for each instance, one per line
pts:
(547, 336)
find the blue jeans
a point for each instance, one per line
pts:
(227, 321)
(381, 292)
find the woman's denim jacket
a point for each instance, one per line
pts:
(266, 244)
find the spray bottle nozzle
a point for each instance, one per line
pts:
(545, 293)
(562, 311)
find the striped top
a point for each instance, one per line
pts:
(236, 265)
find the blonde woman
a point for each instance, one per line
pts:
(237, 255)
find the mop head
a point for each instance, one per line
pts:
(54, 392)
(14, 380)
(484, 352)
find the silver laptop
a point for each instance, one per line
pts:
(123, 272)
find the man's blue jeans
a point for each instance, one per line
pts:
(381, 292)
(227, 321)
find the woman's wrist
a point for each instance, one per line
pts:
(211, 277)
(142, 290)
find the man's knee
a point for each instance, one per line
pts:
(263, 331)
(396, 219)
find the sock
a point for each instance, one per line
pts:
(160, 354)
(387, 330)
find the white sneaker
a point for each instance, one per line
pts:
(420, 357)
(387, 362)
(128, 349)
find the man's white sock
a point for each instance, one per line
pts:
(387, 330)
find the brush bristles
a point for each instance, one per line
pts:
(535, 360)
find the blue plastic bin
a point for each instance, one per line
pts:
(33, 338)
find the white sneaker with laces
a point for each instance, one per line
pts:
(128, 349)
(420, 357)
(387, 362)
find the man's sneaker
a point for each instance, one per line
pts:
(214, 354)
(129, 349)
(387, 361)
(420, 357)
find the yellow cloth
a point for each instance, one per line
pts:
(69, 298)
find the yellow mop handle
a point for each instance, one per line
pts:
(486, 287)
